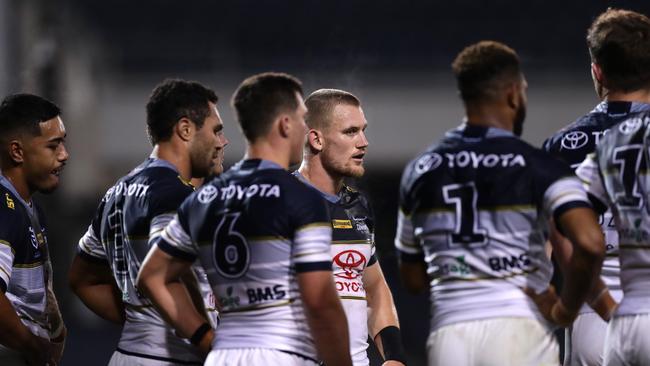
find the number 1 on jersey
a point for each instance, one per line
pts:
(467, 231)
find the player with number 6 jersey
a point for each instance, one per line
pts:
(475, 208)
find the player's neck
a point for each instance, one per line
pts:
(488, 116)
(640, 96)
(266, 150)
(17, 179)
(312, 169)
(178, 157)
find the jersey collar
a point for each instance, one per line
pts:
(330, 197)
(619, 108)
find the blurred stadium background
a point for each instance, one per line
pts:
(100, 60)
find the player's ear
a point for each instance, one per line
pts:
(596, 73)
(184, 129)
(284, 125)
(16, 151)
(512, 92)
(315, 140)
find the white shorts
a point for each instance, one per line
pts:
(255, 357)
(121, 359)
(628, 340)
(585, 341)
(500, 341)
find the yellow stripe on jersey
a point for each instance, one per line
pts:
(310, 253)
(5, 272)
(29, 265)
(314, 225)
(485, 278)
(353, 297)
(341, 224)
(634, 246)
(342, 242)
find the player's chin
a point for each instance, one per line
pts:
(49, 185)
(356, 171)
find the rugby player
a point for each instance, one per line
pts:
(619, 44)
(335, 148)
(32, 136)
(264, 240)
(473, 216)
(619, 52)
(186, 132)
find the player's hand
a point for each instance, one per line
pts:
(206, 342)
(392, 363)
(551, 306)
(38, 352)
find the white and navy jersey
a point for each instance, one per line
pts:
(475, 208)
(23, 259)
(129, 219)
(353, 250)
(254, 229)
(572, 144)
(617, 177)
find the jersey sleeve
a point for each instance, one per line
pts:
(90, 246)
(175, 239)
(312, 232)
(589, 174)
(408, 247)
(9, 222)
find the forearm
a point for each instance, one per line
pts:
(330, 332)
(105, 300)
(582, 273)
(13, 333)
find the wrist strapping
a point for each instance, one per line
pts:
(199, 333)
(391, 341)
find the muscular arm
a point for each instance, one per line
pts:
(381, 309)
(160, 278)
(94, 284)
(414, 276)
(598, 297)
(15, 335)
(582, 269)
(325, 316)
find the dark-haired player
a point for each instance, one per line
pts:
(335, 149)
(264, 240)
(32, 137)
(473, 216)
(619, 44)
(187, 134)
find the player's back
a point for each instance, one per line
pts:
(256, 227)
(476, 203)
(622, 158)
(127, 221)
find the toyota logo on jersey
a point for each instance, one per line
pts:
(574, 140)
(351, 262)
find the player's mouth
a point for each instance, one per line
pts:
(57, 172)
(358, 157)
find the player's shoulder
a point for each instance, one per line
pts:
(12, 211)
(424, 163)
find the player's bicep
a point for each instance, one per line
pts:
(317, 289)
(86, 271)
(160, 266)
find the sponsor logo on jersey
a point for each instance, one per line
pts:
(267, 293)
(464, 159)
(136, 190)
(10, 202)
(360, 223)
(229, 301)
(241, 192)
(637, 233)
(508, 263)
(207, 194)
(36, 240)
(574, 140)
(631, 125)
(352, 263)
(456, 268)
(428, 162)
(341, 224)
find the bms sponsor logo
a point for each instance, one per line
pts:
(351, 262)
(261, 294)
(574, 140)
(509, 263)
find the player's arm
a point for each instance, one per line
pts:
(383, 323)
(412, 268)
(94, 284)
(599, 297)
(327, 322)
(160, 278)
(91, 279)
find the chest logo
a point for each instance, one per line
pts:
(352, 262)
(360, 223)
(207, 194)
(428, 162)
(630, 126)
(10, 202)
(341, 224)
(575, 140)
(37, 240)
